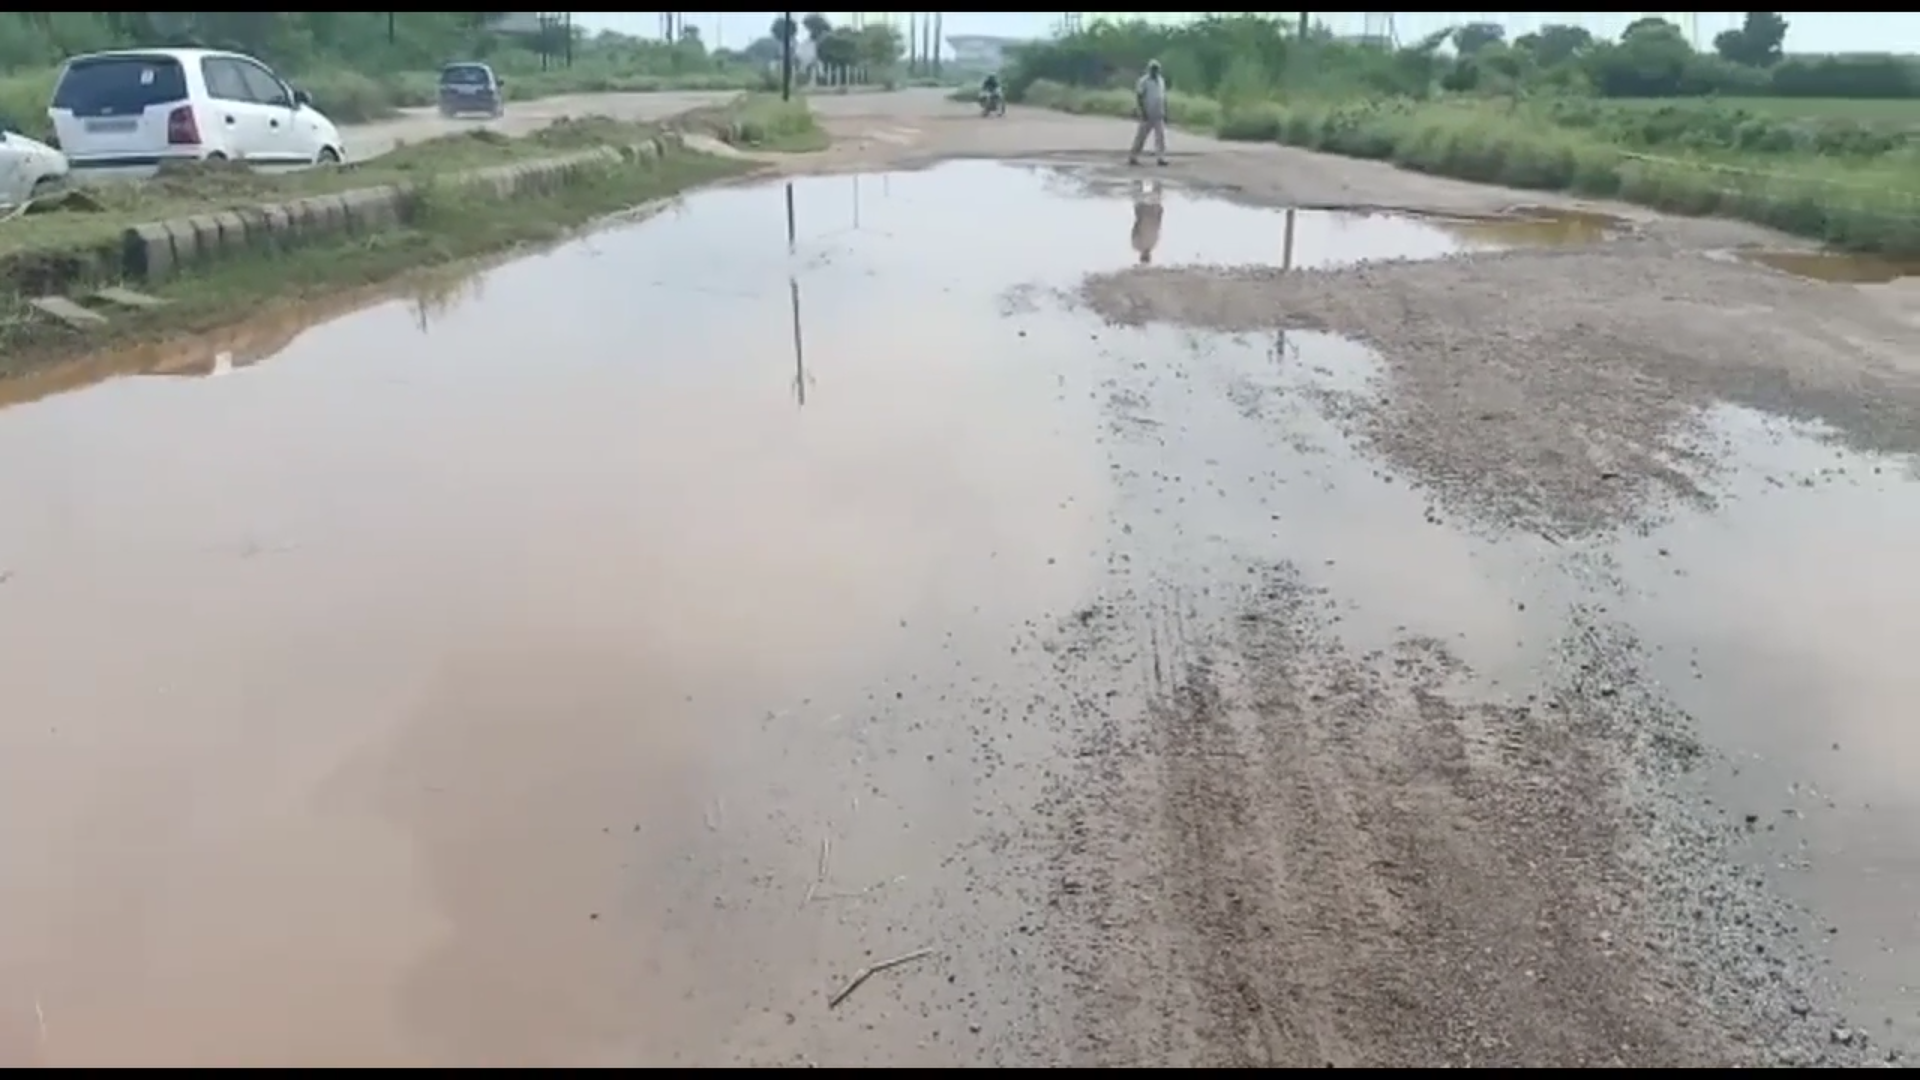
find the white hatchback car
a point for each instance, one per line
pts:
(28, 168)
(127, 112)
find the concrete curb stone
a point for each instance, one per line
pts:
(155, 251)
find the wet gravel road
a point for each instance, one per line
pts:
(1047, 615)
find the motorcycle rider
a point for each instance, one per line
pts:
(990, 90)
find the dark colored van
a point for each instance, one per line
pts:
(472, 88)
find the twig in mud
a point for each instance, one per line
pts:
(866, 973)
(856, 895)
(820, 872)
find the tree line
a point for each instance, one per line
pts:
(1652, 58)
(32, 39)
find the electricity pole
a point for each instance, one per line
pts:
(937, 20)
(786, 57)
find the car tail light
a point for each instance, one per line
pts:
(182, 128)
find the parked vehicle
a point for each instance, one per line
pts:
(28, 168)
(126, 112)
(472, 88)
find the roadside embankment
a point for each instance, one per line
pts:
(1864, 204)
(190, 248)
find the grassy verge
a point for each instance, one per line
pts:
(764, 122)
(352, 97)
(205, 188)
(444, 225)
(1868, 204)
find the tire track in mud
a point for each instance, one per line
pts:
(1278, 852)
(1300, 858)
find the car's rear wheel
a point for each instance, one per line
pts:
(327, 156)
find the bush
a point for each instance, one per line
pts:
(23, 102)
(1186, 110)
(763, 120)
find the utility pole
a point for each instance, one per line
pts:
(786, 59)
(913, 43)
(389, 27)
(569, 30)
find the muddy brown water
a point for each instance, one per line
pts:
(1839, 267)
(602, 661)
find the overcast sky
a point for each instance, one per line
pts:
(1811, 31)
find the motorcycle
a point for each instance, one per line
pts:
(993, 103)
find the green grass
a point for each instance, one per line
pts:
(445, 226)
(764, 122)
(1901, 113)
(1864, 204)
(197, 189)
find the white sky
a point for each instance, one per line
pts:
(1810, 31)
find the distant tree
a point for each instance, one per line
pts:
(1759, 42)
(766, 50)
(817, 26)
(880, 45)
(839, 48)
(1651, 24)
(1473, 37)
(782, 29)
(1555, 43)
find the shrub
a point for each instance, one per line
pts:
(23, 102)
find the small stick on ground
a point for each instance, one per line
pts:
(820, 872)
(866, 973)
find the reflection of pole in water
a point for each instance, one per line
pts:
(856, 203)
(799, 352)
(1286, 265)
(790, 240)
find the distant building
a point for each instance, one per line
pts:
(981, 50)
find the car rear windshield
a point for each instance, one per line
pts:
(119, 85)
(467, 75)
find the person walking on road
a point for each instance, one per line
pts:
(1150, 98)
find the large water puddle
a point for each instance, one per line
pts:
(594, 662)
(1784, 624)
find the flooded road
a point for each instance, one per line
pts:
(606, 660)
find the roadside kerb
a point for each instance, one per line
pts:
(156, 251)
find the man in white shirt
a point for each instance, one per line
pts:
(1150, 98)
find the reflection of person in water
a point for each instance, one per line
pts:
(1147, 212)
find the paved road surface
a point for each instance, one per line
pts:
(1265, 655)
(372, 140)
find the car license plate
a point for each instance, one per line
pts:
(110, 127)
